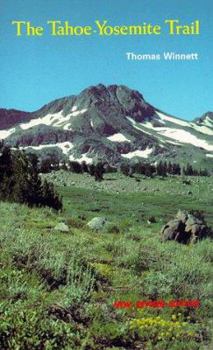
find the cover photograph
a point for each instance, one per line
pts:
(106, 175)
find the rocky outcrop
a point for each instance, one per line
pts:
(61, 227)
(98, 223)
(186, 228)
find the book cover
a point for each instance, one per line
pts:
(106, 192)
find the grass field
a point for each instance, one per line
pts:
(58, 289)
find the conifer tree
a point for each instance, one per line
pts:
(6, 172)
(99, 171)
(20, 181)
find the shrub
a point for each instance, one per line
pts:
(74, 222)
(186, 275)
(156, 330)
(32, 329)
(112, 228)
(80, 282)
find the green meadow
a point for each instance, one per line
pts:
(58, 289)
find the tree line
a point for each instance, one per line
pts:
(20, 180)
(97, 170)
(161, 168)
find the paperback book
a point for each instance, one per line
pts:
(106, 168)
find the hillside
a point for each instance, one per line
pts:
(112, 124)
(58, 288)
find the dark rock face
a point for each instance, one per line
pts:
(185, 228)
(38, 135)
(119, 99)
(11, 117)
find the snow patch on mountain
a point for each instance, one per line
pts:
(184, 136)
(173, 143)
(74, 108)
(5, 133)
(133, 122)
(84, 158)
(67, 126)
(172, 119)
(150, 126)
(138, 153)
(145, 131)
(180, 135)
(55, 120)
(203, 129)
(77, 113)
(118, 138)
(64, 146)
(209, 155)
(208, 122)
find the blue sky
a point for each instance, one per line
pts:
(35, 71)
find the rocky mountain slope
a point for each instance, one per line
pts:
(111, 123)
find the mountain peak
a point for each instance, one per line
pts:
(206, 118)
(114, 123)
(113, 89)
